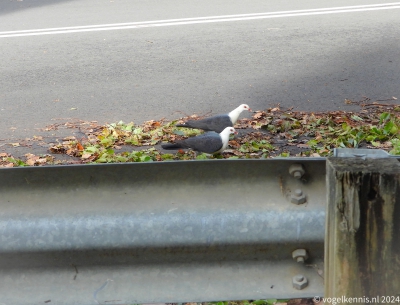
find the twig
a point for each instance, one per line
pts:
(376, 105)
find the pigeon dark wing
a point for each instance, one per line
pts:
(209, 142)
(215, 123)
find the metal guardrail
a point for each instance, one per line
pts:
(162, 232)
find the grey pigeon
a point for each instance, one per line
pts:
(216, 123)
(209, 142)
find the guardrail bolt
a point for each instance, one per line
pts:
(297, 170)
(300, 255)
(298, 197)
(299, 282)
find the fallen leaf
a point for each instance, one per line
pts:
(302, 146)
(30, 162)
(41, 160)
(70, 138)
(258, 115)
(79, 146)
(57, 149)
(31, 156)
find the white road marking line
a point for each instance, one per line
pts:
(211, 19)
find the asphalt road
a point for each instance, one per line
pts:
(78, 66)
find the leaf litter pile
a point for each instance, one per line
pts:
(267, 134)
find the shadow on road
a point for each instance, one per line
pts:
(7, 7)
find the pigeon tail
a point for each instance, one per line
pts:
(172, 146)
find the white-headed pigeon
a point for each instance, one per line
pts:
(209, 142)
(216, 123)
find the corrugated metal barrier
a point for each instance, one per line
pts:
(162, 232)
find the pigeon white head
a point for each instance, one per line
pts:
(225, 137)
(234, 114)
(228, 131)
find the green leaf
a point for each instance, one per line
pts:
(133, 140)
(284, 154)
(91, 149)
(312, 143)
(345, 126)
(260, 302)
(376, 130)
(107, 141)
(121, 159)
(17, 162)
(255, 145)
(178, 132)
(388, 127)
(265, 302)
(146, 159)
(137, 131)
(383, 117)
(201, 157)
(356, 118)
(167, 156)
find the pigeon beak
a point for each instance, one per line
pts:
(235, 132)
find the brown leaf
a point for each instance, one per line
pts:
(70, 152)
(258, 115)
(79, 146)
(234, 143)
(70, 138)
(302, 146)
(57, 149)
(30, 162)
(41, 160)
(30, 156)
(92, 139)
(86, 156)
